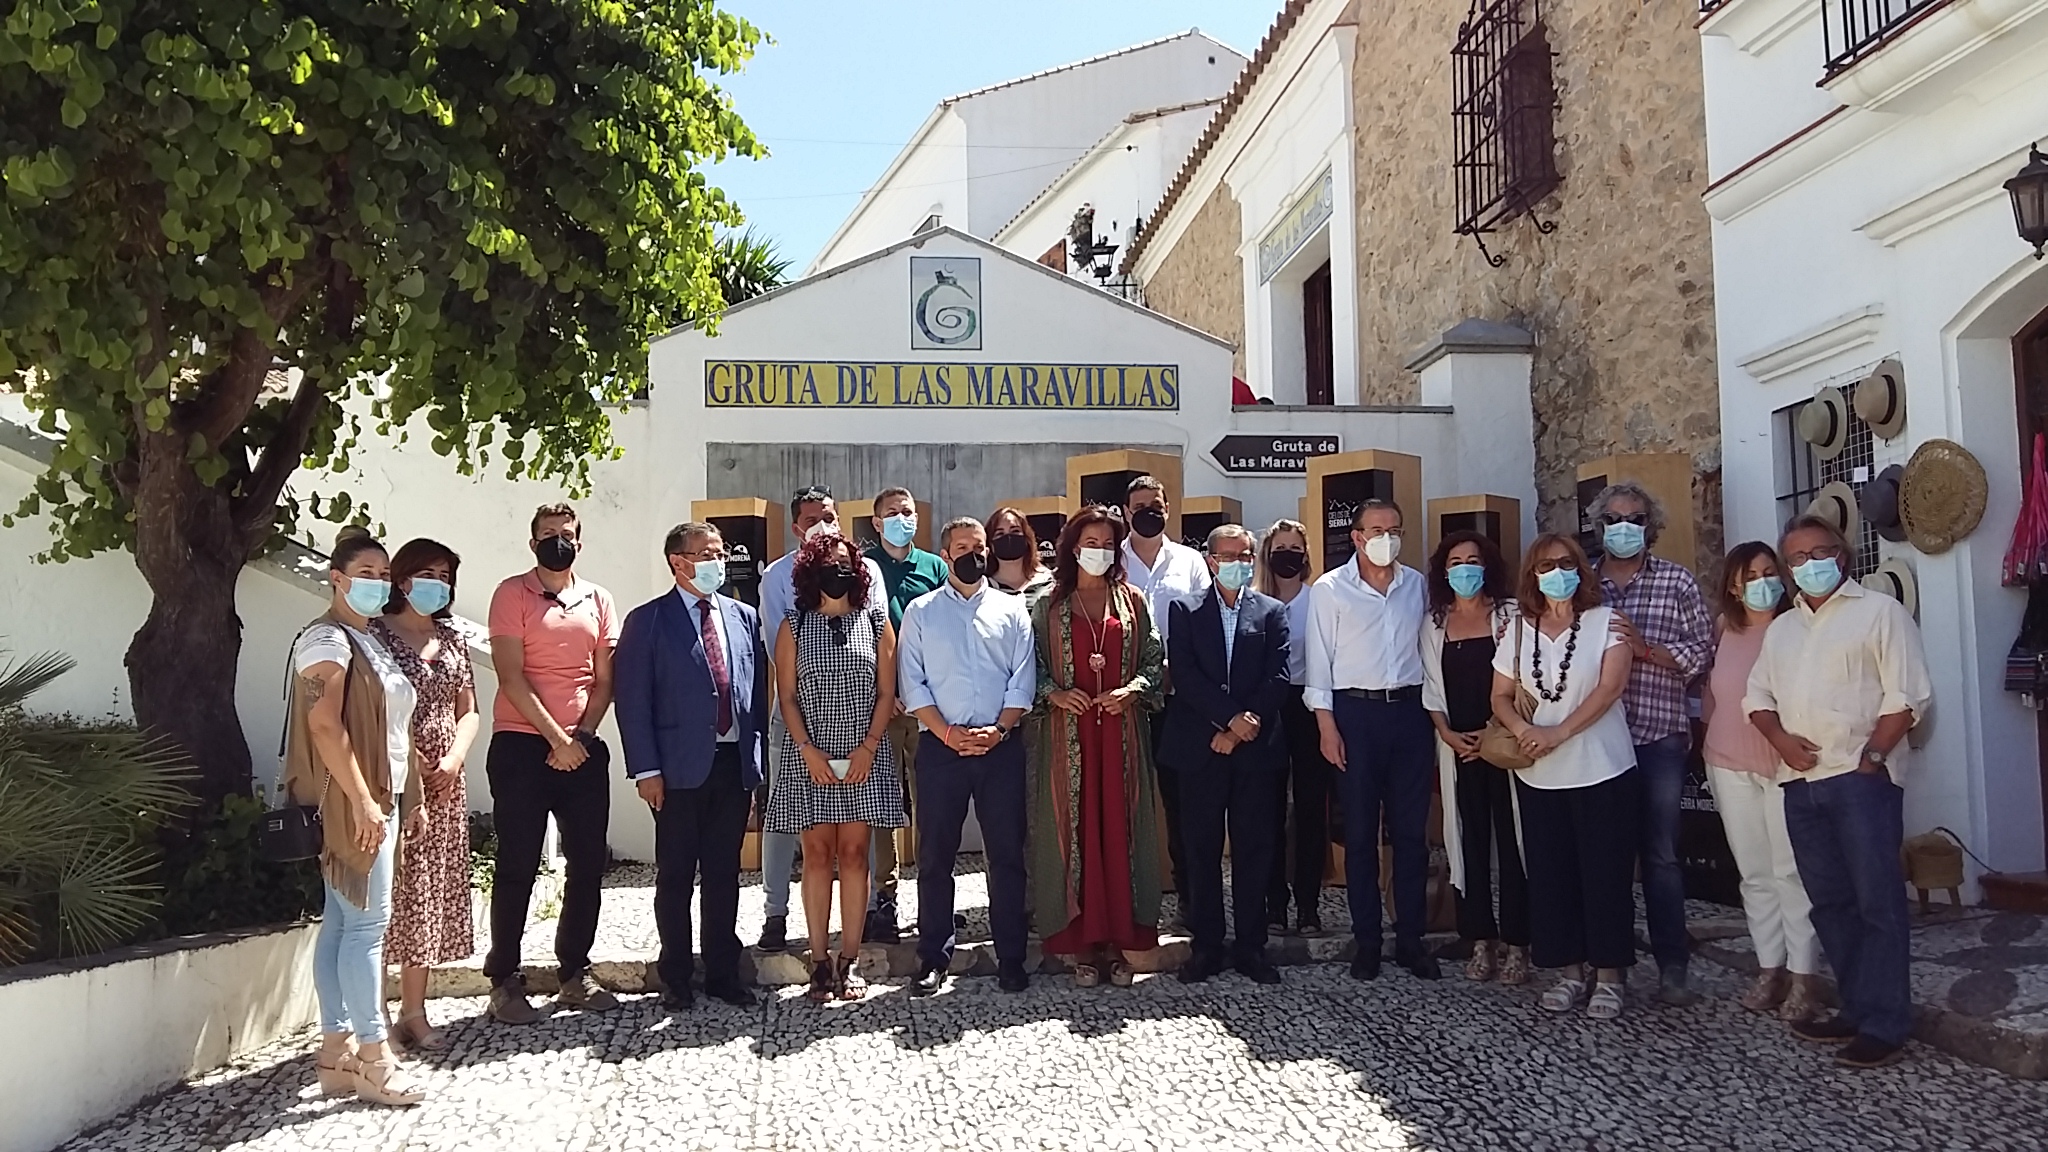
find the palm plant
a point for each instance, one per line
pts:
(747, 264)
(79, 804)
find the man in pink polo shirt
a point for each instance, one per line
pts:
(552, 637)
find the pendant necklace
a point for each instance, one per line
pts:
(1096, 660)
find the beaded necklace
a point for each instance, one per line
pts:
(1564, 667)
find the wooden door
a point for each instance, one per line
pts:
(1316, 336)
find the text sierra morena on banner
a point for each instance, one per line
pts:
(831, 384)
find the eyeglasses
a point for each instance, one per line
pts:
(1822, 552)
(1639, 519)
(1556, 564)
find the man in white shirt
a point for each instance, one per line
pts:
(1841, 678)
(1365, 688)
(1165, 572)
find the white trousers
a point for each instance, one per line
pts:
(1753, 812)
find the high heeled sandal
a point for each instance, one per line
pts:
(852, 985)
(338, 1078)
(1120, 974)
(1514, 967)
(417, 1032)
(384, 1082)
(1480, 967)
(824, 982)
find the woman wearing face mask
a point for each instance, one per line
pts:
(1285, 574)
(1014, 547)
(430, 913)
(1743, 772)
(1581, 798)
(349, 751)
(1095, 828)
(835, 679)
(1470, 609)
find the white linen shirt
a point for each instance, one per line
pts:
(1358, 638)
(1829, 675)
(1603, 750)
(1178, 574)
(970, 656)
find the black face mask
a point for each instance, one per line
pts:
(837, 582)
(556, 553)
(970, 568)
(1287, 563)
(1010, 546)
(1148, 521)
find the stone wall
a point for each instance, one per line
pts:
(1201, 282)
(1619, 297)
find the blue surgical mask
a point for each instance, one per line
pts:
(1466, 579)
(429, 595)
(1558, 583)
(900, 530)
(1622, 540)
(1763, 593)
(1818, 576)
(1234, 574)
(367, 597)
(710, 576)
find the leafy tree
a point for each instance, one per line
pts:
(219, 218)
(748, 265)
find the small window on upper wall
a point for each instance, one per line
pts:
(1503, 118)
(931, 223)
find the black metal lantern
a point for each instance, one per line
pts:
(2029, 192)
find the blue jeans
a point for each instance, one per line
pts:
(1390, 764)
(1661, 764)
(1845, 834)
(348, 955)
(778, 849)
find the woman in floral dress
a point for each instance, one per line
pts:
(430, 907)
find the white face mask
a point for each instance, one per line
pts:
(1382, 551)
(1096, 561)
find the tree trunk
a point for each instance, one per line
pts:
(182, 663)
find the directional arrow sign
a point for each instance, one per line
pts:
(1272, 455)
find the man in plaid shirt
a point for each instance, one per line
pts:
(1666, 625)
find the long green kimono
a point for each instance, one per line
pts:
(1054, 852)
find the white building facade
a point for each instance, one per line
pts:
(1857, 156)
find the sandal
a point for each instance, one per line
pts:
(1563, 996)
(1800, 1005)
(1514, 968)
(852, 986)
(416, 1032)
(1480, 966)
(383, 1082)
(1120, 974)
(1087, 975)
(1767, 992)
(338, 1078)
(1606, 1002)
(824, 982)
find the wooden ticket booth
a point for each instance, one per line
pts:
(1339, 483)
(1047, 516)
(1498, 518)
(1665, 475)
(858, 518)
(753, 531)
(1201, 515)
(1105, 478)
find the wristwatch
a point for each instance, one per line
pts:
(1005, 732)
(1876, 757)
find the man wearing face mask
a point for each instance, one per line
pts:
(552, 637)
(811, 510)
(908, 572)
(1841, 679)
(1164, 572)
(1663, 619)
(1365, 687)
(1223, 741)
(967, 667)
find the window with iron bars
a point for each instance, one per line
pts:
(1801, 474)
(1503, 118)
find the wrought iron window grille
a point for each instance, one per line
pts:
(1503, 118)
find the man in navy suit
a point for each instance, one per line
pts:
(692, 680)
(1228, 652)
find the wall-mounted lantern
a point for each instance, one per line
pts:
(2029, 192)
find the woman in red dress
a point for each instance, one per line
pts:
(1096, 821)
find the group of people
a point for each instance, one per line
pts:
(1115, 717)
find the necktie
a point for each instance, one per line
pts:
(714, 655)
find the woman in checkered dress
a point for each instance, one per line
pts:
(835, 671)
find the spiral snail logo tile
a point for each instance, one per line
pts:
(945, 303)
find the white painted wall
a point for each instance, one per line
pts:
(1882, 231)
(87, 1043)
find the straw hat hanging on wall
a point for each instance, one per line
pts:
(1894, 578)
(1941, 495)
(1881, 400)
(1836, 503)
(1824, 423)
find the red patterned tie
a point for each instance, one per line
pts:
(714, 655)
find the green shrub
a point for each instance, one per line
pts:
(215, 876)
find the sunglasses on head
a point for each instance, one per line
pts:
(1639, 519)
(811, 492)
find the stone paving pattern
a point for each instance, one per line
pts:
(1320, 1062)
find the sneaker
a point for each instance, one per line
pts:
(1833, 1030)
(583, 991)
(1865, 1052)
(509, 1004)
(1675, 989)
(774, 934)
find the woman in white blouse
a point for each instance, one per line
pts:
(1580, 797)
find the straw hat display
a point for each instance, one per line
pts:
(1881, 400)
(1836, 503)
(1894, 578)
(1941, 495)
(1824, 423)
(1879, 501)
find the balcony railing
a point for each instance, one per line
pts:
(1853, 29)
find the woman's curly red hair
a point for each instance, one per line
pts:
(818, 552)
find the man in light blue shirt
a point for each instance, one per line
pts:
(968, 670)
